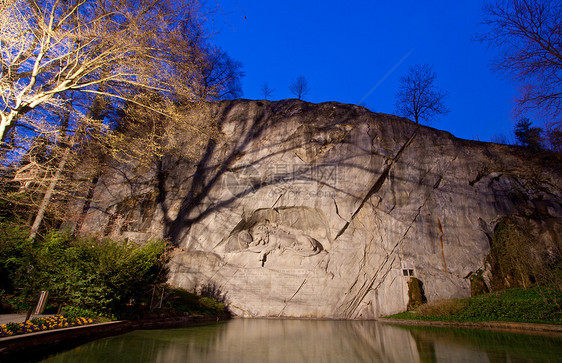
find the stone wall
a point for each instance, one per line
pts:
(326, 210)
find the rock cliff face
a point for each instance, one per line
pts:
(326, 210)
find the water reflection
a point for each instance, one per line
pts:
(293, 341)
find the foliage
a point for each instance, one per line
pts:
(443, 308)
(477, 284)
(212, 305)
(14, 249)
(415, 293)
(19, 303)
(73, 312)
(527, 135)
(50, 48)
(522, 305)
(518, 260)
(418, 97)
(144, 137)
(103, 276)
(182, 300)
(514, 305)
(214, 75)
(70, 69)
(508, 256)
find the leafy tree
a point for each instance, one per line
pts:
(418, 97)
(103, 276)
(49, 47)
(300, 87)
(84, 64)
(527, 135)
(528, 34)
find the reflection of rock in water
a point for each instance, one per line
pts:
(365, 341)
(473, 345)
(255, 340)
(317, 341)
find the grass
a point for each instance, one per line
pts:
(534, 305)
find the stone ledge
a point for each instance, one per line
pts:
(529, 328)
(44, 343)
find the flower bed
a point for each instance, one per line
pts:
(41, 324)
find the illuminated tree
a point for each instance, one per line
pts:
(110, 48)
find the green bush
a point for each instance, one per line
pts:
(415, 293)
(477, 284)
(538, 304)
(73, 312)
(99, 275)
(534, 305)
(15, 252)
(511, 256)
(212, 305)
(19, 303)
(182, 300)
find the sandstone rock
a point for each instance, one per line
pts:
(326, 210)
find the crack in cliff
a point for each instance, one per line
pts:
(291, 298)
(367, 285)
(380, 181)
(280, 196)
(338, 210)
(362, 265)
(351, 309)
(300, 287)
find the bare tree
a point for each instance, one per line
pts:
(49, 47)
(213, 74)
(554, 137)
(266, 90)
(300, 87)
(418, 97)
(499, 139)
(528, 34)
(65, 63)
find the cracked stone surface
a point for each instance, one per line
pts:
(316, 210)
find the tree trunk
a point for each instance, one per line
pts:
(49, 194)
(94, 113)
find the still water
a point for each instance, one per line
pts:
(249, 340)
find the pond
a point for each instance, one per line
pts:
(262, 340)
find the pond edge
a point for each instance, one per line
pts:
(44, 343)
(513, 327)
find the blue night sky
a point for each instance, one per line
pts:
(356, 52)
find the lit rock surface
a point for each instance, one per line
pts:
(304, 210)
